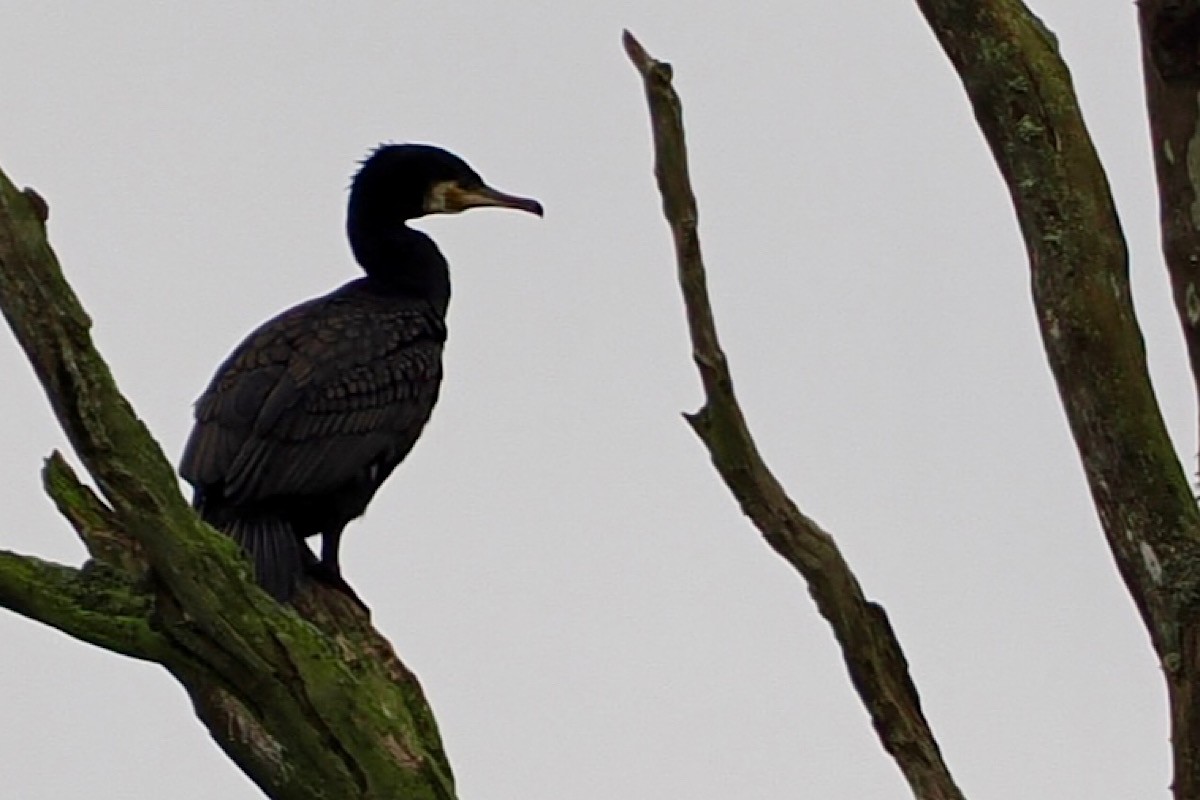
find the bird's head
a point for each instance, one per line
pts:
(405, 181)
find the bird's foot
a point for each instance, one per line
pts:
(322, 572)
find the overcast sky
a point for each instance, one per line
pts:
(591, 616)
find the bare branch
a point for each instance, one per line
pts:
(869, 646)
(96, 604)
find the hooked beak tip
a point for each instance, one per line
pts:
(490, 196)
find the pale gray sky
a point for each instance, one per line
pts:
(590, 615)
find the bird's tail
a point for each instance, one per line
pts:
(274, 550)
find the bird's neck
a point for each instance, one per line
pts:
(402, 260)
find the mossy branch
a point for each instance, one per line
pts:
(96, 604)
(869, 646)
(1025, 104)
(310, 702)
(98, 527)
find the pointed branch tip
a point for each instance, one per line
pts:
(646, 64)
(41, 209)
(637, 54)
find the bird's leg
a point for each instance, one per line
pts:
(330, 541)
(329, 572)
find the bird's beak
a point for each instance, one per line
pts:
(449, 198)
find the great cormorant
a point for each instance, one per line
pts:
(313, 410)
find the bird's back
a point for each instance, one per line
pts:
(316, 407)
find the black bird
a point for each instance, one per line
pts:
(311, 413)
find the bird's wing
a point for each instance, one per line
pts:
(316, 397)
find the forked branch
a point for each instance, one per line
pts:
(310, 702)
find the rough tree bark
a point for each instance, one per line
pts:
(1024, 102)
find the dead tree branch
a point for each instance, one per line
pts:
(872, 653)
